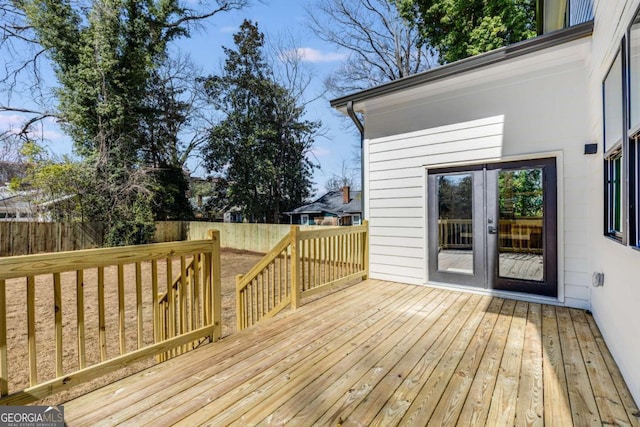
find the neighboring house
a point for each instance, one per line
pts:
(16, 206)
(22, 206)
(233, 214)
(516, 172)
(342, 207)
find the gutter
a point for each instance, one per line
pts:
(360, 126)
(506, 53)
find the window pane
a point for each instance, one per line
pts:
(617, 193)
(634, 75)
(614, 192)
(613, 105)
(455, 223)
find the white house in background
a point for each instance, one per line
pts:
(517, 172)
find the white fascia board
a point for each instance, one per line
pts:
(575, 53)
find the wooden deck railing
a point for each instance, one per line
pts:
(300, 265)
(514, 235)
(148, 323)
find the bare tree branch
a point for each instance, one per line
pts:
(381, 45)
(223, 6)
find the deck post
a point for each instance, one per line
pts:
(365, 249)
(4, 370)
(295, 267)
(216, 275)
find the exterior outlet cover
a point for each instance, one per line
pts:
(598, 279)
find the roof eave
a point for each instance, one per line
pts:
(525, 47)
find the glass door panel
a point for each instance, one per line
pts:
(521, 225)
(455, 223)
(522, 250)
(457, 238)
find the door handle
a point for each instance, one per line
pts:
(492, 230)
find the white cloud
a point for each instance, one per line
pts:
(11, 122)
(228, 29)
(309, 54)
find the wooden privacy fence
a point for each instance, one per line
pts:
(25, 238)
(301, 264)
(99, 310)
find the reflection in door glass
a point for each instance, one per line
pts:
(520, 234)
(455, 228)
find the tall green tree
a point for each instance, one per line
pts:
(105, 55)
(260, 146)
(462, 28)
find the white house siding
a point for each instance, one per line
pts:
(616, 305)
(523, 108)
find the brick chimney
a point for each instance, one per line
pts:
(346, 197)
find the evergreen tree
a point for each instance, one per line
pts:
(261, 144)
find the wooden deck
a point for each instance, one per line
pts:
(382, 353)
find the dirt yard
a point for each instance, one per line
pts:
(233, 263)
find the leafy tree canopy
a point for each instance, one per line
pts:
(462, 28)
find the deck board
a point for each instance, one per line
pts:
(383, 353)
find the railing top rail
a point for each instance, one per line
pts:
(58, 262)
(338, 231)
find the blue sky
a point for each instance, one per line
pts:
(278, 20)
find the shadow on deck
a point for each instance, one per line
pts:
(383, 353)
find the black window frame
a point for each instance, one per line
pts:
(622, 157)
(633, 141)
(616, 200)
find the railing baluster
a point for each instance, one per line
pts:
(80, 318)
(57, 307)
(170, 316)
(216, 273)
(155, 304)
(306, 258)
(102, 327)
(325, 262)
(139, 304)
(182, 295)
(261, 289)
(31, 330)
(274, 285)
(4, 366)
(197, 312)
(121, 310)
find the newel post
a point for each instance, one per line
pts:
(365, 249)
(295, 267)
(216, 291)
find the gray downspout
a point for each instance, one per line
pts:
(360, 126)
